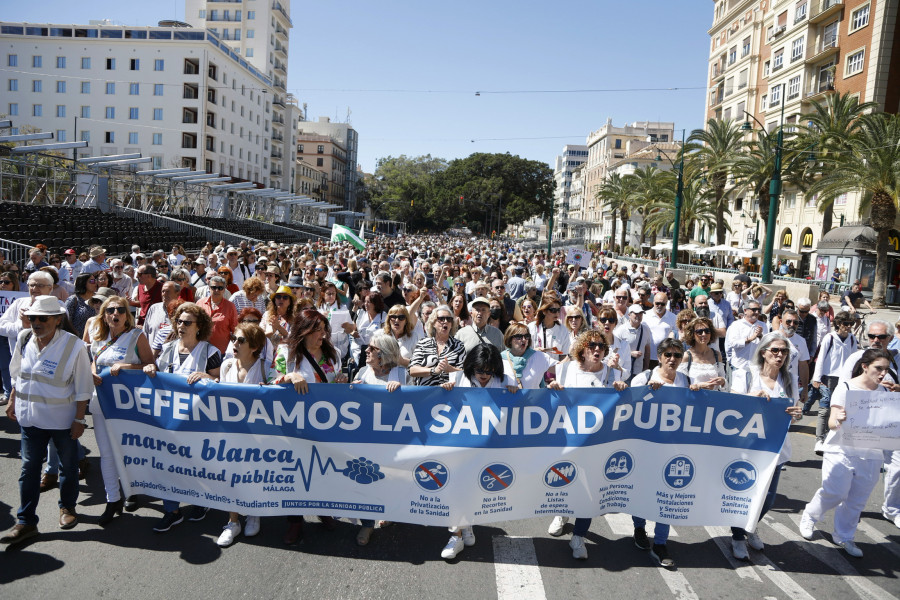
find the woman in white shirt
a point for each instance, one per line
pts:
(526, 364)
(246, 367)
(848, 474)
(370, 320)
(587, 368)
(835, 349)
(401, 326)
(482, 368)
(548, 334)
(702, 363)
(769, 376)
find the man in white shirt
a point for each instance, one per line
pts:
(743, 337)
(662, 325)
(836, 349)
(702, 309)
(69, 270)
(637, 335)
(14, 320)
(135, 252)
(122, 283)
(799, 365)
(157, 318)
(238, 271)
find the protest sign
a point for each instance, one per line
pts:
(580, 258)
(873, 420)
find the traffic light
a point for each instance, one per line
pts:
(461, 199)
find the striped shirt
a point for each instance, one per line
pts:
(425, 355)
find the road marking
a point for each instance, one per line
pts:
(879, 537)
(516, 569)
(790, 587)
(621, 524)
(831, 556)
(678, 584)
(722, 537)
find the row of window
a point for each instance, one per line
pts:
(37, 62)
(225, 15)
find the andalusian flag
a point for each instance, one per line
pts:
(339, 233)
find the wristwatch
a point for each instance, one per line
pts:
(81, 421)
(432, 372)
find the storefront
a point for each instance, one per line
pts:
(849, 253)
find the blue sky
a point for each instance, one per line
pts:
(434, 56)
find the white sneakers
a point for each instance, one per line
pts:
(894, 520)
(458, 543)
(468, 536)
(251, 527)
(852, 549)
(578, 549)
(754, 542)
(229, 532)
(807, 527)
(819, 447)
(557, 526)
(739, 549)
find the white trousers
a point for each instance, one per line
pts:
(107, 460)
(892, 484)
(847, 482)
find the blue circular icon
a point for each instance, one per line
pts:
(496, 478)
(740, 475)
(560, 474)
(679, 472)
(618, 466)
(431, 475)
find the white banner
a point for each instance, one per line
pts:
(873, 420)
(581, 258)
(7, 298)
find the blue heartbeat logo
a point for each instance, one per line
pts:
(360, 470)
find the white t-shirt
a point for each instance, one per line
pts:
(660, 329)
(834, 439)
(535, 368)
(739, 385)
(368, 376)
(571, 375)
(459, 379)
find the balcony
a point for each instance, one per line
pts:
(823, 9)
(277, 137)
(276, 154)
(189, 116)
(191, 66)
(778, 67)
(280, 85)
(278, 102)
(718, 71)
(281, 31)
(277, 6)
(281, 49)
(280, 67)
(820, 89)
(826, 47)
(717, 98)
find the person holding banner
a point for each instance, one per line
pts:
(308, 357)
(587, 368)
(188, 353)
(619, 354)
(439, 354)
(528, 365)
(547, 333)
(401, 325)
(247, 367)
(115, 343)
(703, 364)
(768, 375)
(483, 368)
(849, 474)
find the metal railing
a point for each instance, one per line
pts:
(16, 252)
(176, 225)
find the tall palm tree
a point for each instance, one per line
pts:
(649, 185)
(697, 207)
(722, 142)
(871, 165)
(615, 195)
(828, 125)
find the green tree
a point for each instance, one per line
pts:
(697, 206)
(403, 189)
(722, 142)
(871, 166)
(615, 195)
(648, 186)
(828, 126)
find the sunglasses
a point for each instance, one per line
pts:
(701, 332)
(253, 321)
(41, 318)
(111, 310)
(597, 346)
(881, 336)
(185, 323)
(519, 337)
(607, 320)
(553, 310)
(673, 354)
(217, 288)
(751, 310)
(659, 304)
(577, 317)
(444, 319)
(397, 317)
(5, 282)
(238, 339)
(794, 322)
(281, 297)
(409, 290)
(621, 297)
(480, 372)
(777, 351)
(38, 285)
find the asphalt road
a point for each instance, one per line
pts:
(515, 559)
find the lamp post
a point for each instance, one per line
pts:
(679, 199)
(550, 228)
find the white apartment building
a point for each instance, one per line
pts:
(176, 94)
(572, 157)
(347, 138)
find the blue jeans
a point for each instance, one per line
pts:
(53, 457)
(5, 357)
(739, 534)
(34, 451)
(826, 388)
(660, 531)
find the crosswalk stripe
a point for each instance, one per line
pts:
(516, 569)
(831, 557)
(722, 537)
(678, 585)
(875, 535)
(784, 581)
(622, 525)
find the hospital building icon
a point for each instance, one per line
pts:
(680, 468)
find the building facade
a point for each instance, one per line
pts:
(347, 138)
(572, 157)
(323, 153)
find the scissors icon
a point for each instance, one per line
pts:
(491, 479)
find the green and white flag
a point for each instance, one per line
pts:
(339, 233)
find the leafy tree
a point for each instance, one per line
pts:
(871, 166)
(648, 186)
(403, 188)
(615, 195)
(722, 142)
(697, 207)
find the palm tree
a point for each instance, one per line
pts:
(649, 185)
(696, 206)
(615, 195)
(828, 125)
(722, 142)
(871, 165)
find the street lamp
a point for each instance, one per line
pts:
(679, 199)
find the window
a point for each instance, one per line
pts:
(763, 102)
(14, 85)
(320, 149)
(797, 47)
(61, 110)
(841, 200)
(37, 110)
(300, 148)
(37, 62)
(157, 139)
(775, 96)
(618, 144)
(86, 62)
(745, 47)
(85, 136)
(60, 62)
(157, 114)
(85, 87)
(742, 78)
(249, 52)
(251, 14)
(320, 162)
(134, 89)
(12, 60)
(250, 33)
(110, 88)
(800, 11)
(110, 137)
(237, 15)
(739, 113)
(778, 60)
(13, 109)
(766, 68)
(133, 137)
(110, 64)
(855, 62)
(793, 90)
(729, 86)
(60, 135)
(135, 64)
(732, 55)
(859, 18)
(110, 112)
(201, 14)
(60, 87)
(85, 112)
(133, 113)
(790, 200)
(237, 34)
(158, 89)
(37, 85)
(159, 65)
